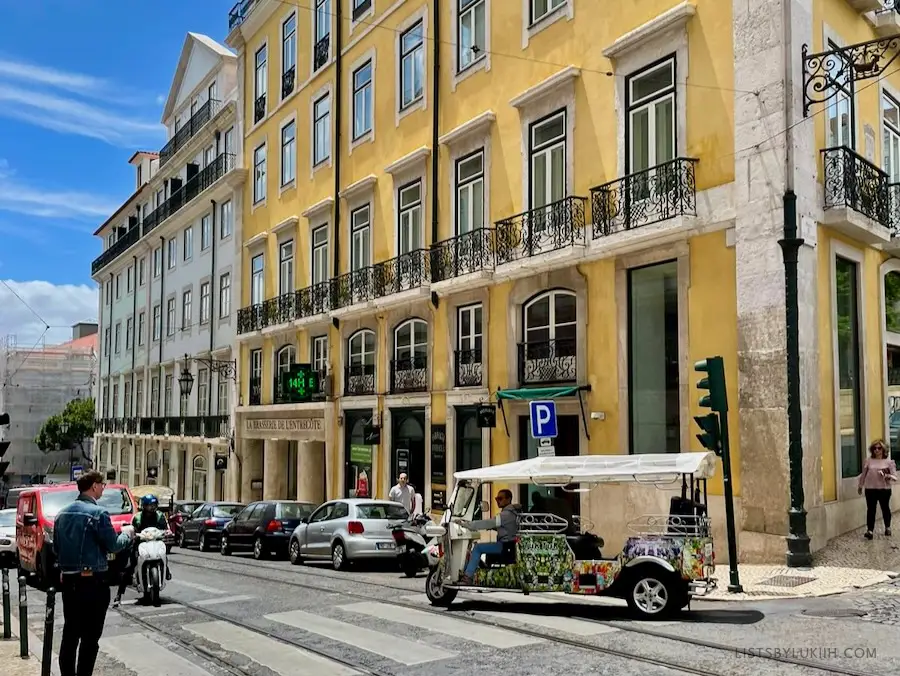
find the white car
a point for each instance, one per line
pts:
(9, 552)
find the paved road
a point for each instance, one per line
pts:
(226, 616)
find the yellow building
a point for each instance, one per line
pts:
(471, 202)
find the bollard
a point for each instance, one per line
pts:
(7, 626)
(47, 658)
(23, 619)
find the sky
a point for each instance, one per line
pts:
(82, 87)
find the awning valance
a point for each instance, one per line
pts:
(542, 393)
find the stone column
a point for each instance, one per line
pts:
(118, 460)
(311, 471)
(131, 456)
(177, 474)
(274, 464)
(212, 476)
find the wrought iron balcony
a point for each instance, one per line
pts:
(360, 8)
(547, 361)
(215, 427)
(146, 425)
(462, 255)
(359, 379)
(118, 425)
(468, 368)
(403, 273)
(313, 300)
(255, 391)
(409, 374)
(259, 108)
(250, 318)
(159, 425)
(190, 426)
(645, 197)
(240, 12)
(541, 230)
(851, 181)
(188, 130)
(279, 396)
(287, 81)
(279, 310)
(119, 247)
(173, 425)
(320, 52)
(131, 425)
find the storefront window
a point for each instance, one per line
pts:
(849, 380)
(468, 440)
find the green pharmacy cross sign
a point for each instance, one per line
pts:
(300, 383)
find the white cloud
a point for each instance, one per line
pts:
(59, 305)
(161, 99)
(34, 74)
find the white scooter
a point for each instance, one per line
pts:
(152, 562)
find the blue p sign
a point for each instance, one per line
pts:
(543, 419)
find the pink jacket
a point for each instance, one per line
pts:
(871, 476)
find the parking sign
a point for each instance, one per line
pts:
(543, 419)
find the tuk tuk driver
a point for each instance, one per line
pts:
(506, 524)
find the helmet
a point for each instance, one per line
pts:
(149, 501)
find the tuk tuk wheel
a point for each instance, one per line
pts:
(652, 593)
(437, 593)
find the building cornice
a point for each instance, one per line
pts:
(408, 161)
(545, 87)
(673, 18)
(467, 129)
(318, 207)
(360, 186)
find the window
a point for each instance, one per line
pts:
(106, 340)
(541, 8)
(322, 27)
(129, 333)
(142, 322)
(260, 85)
(653, 376)
(286, 267)
(548, 161)
(227, 220)
(170, 317)
(849, 368)
(255, 377)
(468, 444)
(470, 193)
(188, 243)
(891, 132)
(118, 337)
(320, 354)
(157, 319)
(198, 478)
(118, 286)
(284, 359)
(209, 155)
(469, 330)
(142, 272)
(320, 255)
(288, 52)
(651, 117)
(223, 397)
(108, 292)
(211, 91)
(361, 347)
(412, 65)
(321, 130)
(203, 392)
(471, 39)
(360, 239)
(259, 174)
(186, 310)
(205, 232)
(840, 112)
(172, 252)
(204, 303)
(115, 400)
(154, 400)
(157, 262)
(229, 141)
(288, 153)
(139, 397)
(549, 332)
(411, 340)
(410, 218)
(225, 295)
(129, 284)
(362, 100)
(257, 280)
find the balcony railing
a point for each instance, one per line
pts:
(287, 81)
(280, 396)
(173, 426)
(280, 310)
(259, 108)
(255, 391)
(250, 318)
(547, 361)
(320, 52)
(403, 273)
(541, 230)
(131, 425)
(193, 426)
(359, 379)
(468, 370)
(188, 130)
(409, 374)
(145, 426)
(215, 427)
(462, 255)
(118, 248)
(645, 197)
(159, 426)
(361, 8)
(240, 12)
(852, 181)
(313, 300)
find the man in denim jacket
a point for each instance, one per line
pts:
(83, 536)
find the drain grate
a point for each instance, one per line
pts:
(787, 581)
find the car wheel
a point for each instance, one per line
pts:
(224, 549)
(259, 549)
(651, 593)
(294, 553)
(203, 545)
(339, 559)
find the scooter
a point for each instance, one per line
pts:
(416, 547)
(152, 562)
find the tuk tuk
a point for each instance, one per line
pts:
(666, 560)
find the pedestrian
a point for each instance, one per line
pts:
(83, 537)
(403, 493)
(878, 473)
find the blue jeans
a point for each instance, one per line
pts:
(477, 551)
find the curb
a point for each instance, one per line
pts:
(35, 650)
(750, 597)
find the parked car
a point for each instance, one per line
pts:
(181, 512)
(9, 554)
(36, 511)
(347, 531)
(204, 527)
(12, 497)
(265, 527)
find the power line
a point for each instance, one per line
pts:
(33, 311)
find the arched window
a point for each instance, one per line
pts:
(548, 352)
(198, 478)
(411, 339)
(409, 371)
(360, 375)
(284, 360)
(361, 348)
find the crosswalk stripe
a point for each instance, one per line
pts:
(275, 655)
(497, 638)
(223, 599)
(145, 656)
(570, 625)
(408, 652)
(197, 586)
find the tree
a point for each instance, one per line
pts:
(79, 414)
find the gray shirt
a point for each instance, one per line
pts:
(505, 523)
(405, 495)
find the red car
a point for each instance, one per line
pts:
(36, 511)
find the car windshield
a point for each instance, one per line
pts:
(114, 500)
(382, 511)
(187, 507)
(7, 519)
(225, 511)
(464, 495)
(295, 510)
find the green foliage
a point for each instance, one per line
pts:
(79, 414)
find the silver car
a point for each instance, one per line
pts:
(9, 551)
(346, 531)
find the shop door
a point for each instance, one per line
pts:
(566, 443)
(408, 447)
(359, 482)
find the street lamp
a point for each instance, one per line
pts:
(64, 427)
(186, 379)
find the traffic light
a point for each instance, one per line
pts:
(714, 383)
(711, 437)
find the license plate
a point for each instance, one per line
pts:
(385, 545)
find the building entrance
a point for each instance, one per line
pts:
(408, 446)
(566, 443)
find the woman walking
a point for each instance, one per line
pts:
(877, 476)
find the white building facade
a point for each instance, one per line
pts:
(169, 283)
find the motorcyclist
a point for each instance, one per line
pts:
(148, 517)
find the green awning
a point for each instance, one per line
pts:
(533, 393)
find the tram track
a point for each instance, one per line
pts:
(574, 643)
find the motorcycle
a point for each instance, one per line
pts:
(417, 548)
(152, 562)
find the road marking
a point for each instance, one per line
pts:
(569, 625)
(402, 650)
(144, 656)
(197, 586)
(224, 599)
(144, 610)
(175, 614)
(496, 638)
(275, 655)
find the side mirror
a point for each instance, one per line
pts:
(485, 507)
(30, 519)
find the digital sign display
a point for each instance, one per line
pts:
(299, 384)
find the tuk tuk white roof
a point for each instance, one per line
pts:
(643, 468)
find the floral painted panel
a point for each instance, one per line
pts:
(501, 577)
(686, 555)
(545, 563)
(604, 572)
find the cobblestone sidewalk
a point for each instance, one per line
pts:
(13, 665)
(848, 562)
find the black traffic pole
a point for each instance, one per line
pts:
(7, 620)
(23, 618)
(735, 582)
(47, 658)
